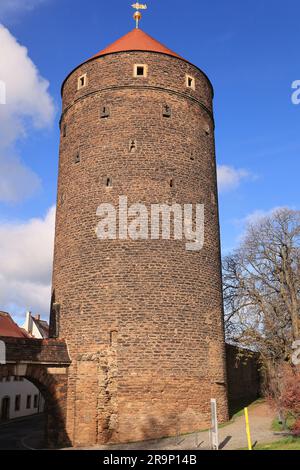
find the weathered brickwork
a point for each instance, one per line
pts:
(36, 351)
(142, 319)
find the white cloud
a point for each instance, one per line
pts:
(28, 106)
(229, 178)
(26, 264)
(11, 7)
(254, 218)
(257, 215)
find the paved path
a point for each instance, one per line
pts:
(23, 433)
(231, 436)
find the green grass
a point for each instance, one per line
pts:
(277, 427)
(290, 443)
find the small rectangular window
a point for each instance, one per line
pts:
(82, 81)
(28, 402)
(190, 82)
(140, 70)
(17, 402)
(35, 401)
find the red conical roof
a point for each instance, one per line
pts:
(136, 40)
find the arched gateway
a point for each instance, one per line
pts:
(44, 363)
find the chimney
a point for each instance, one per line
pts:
(37, 317)
(27, 325)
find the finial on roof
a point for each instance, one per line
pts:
(138, 15)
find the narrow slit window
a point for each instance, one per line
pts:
(190, 82)
(167, 111)
(171, 183)
(140, 70)
(132, 146)
(108, 182)
(104, 112)
(82, 81)
(77, 158)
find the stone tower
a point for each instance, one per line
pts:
(142, 318)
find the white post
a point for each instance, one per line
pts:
(214, 432)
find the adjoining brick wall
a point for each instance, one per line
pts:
(143, 320)
(243, 378)
(47, 351)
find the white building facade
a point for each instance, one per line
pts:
(36, 327)
(19, 398)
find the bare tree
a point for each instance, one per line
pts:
(262, 287)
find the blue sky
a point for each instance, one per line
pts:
(248, 49)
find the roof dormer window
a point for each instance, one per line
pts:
(190, 82)
(82, 81)
(140, 70)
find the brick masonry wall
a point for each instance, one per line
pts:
(142, 319)
(47, 351)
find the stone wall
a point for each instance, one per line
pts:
(243, 377)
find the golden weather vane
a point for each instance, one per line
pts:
(138, 15)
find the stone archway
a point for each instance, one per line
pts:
(52, 383)
(45, 363)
